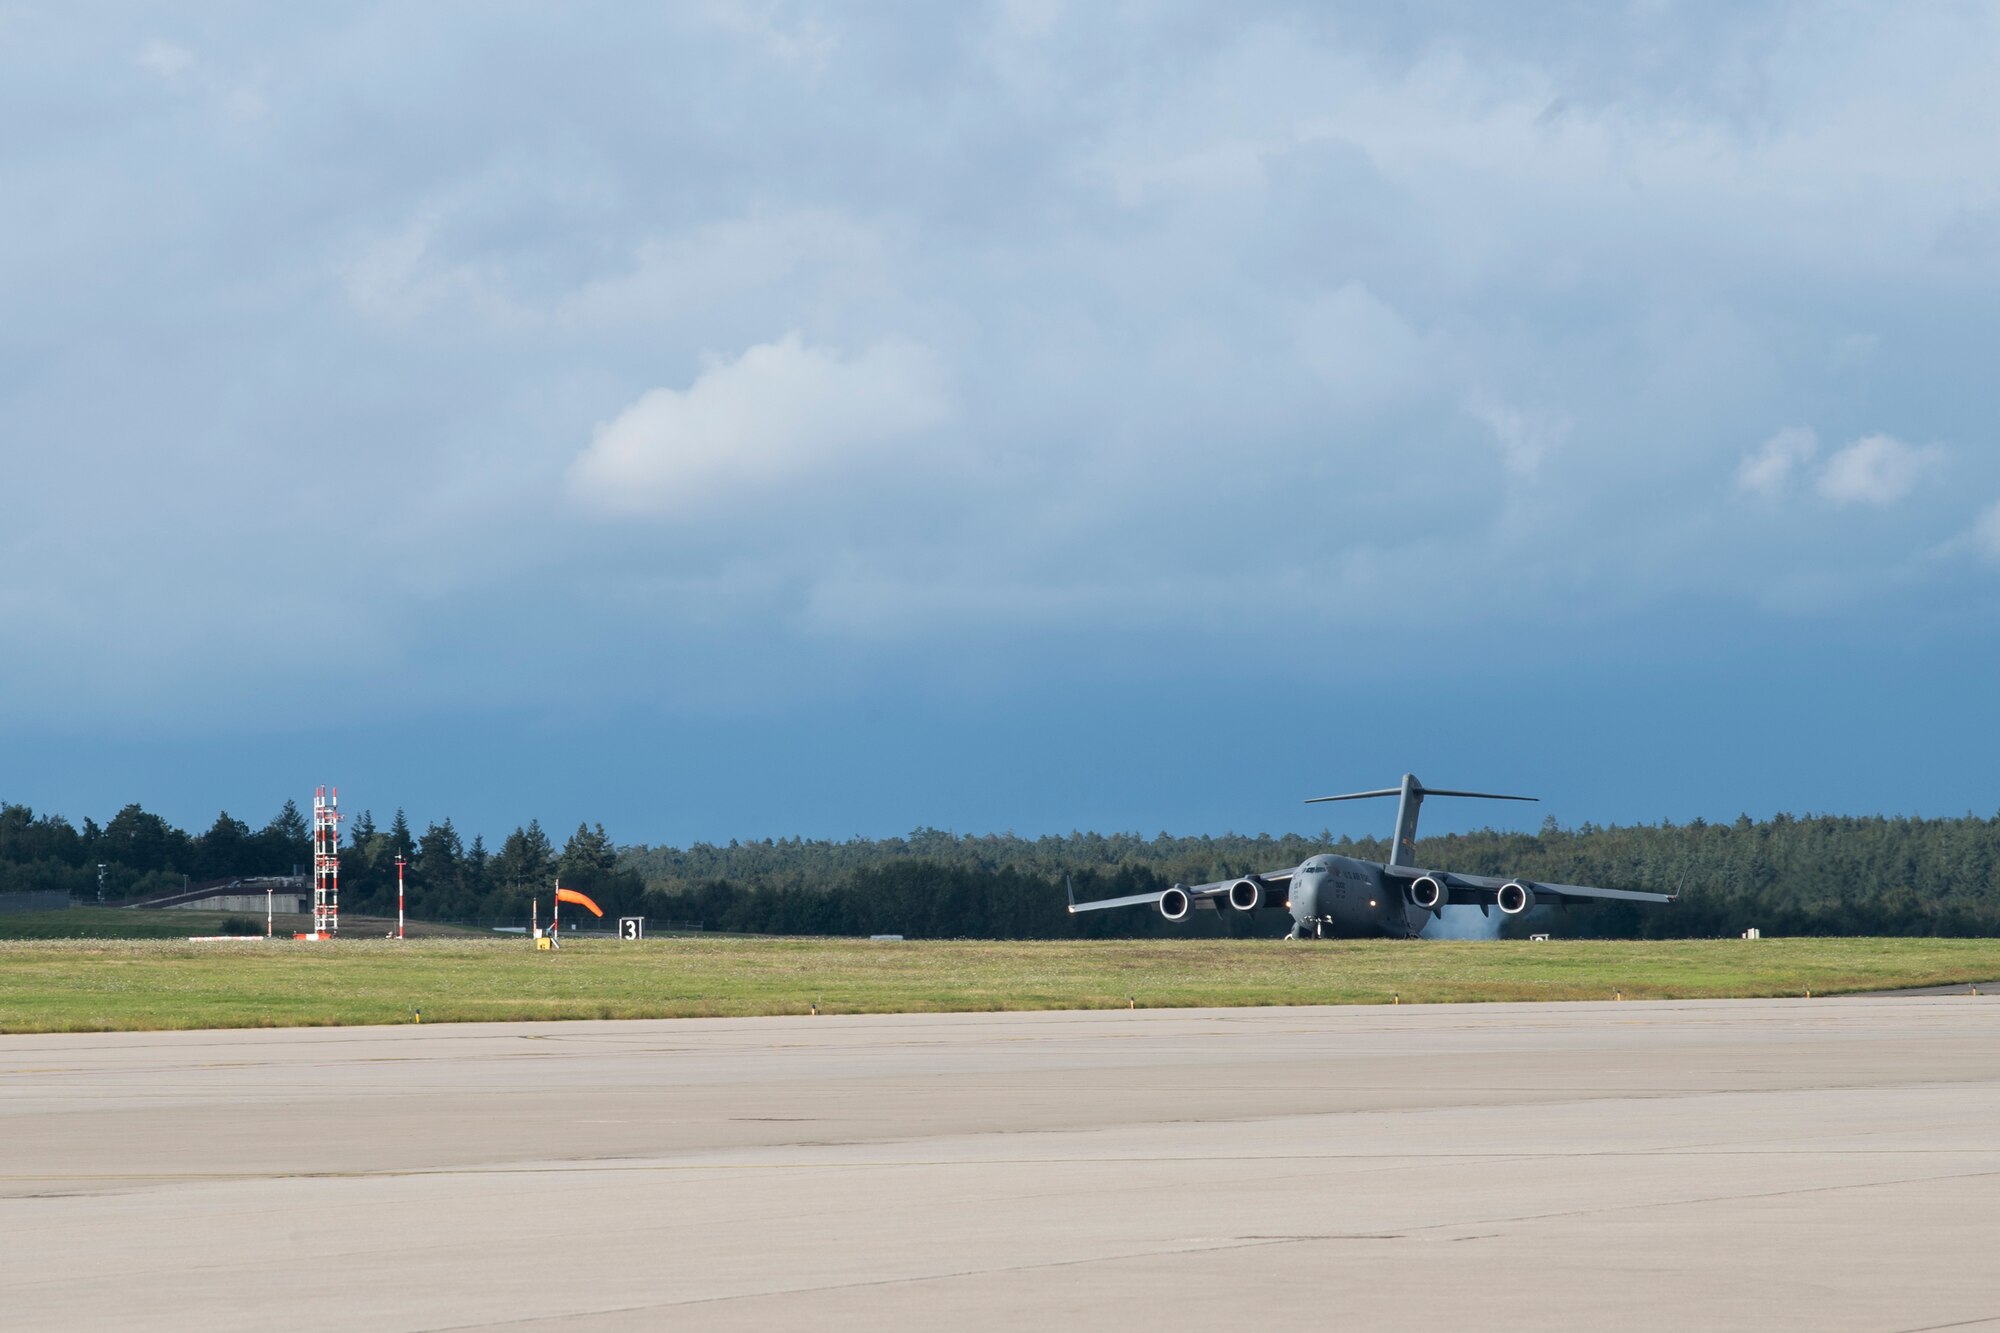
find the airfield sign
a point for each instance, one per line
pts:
(631, 927)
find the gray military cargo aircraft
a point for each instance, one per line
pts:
(1343, 896)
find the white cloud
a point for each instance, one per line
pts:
(779, 415)
(1769, 470)
(1876, 470)
(1525, 437)
(1986, 533)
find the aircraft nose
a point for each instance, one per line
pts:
(1305, 897)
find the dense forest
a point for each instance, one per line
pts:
(1819, 875)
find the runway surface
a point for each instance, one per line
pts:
(1723, 1164)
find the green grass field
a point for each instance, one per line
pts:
(78, 986)
(119, 923)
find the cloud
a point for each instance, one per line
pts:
(1357, 346)
(1986, 533)
(168, 60)
(721, 262)
(780, 415)
(1243, 318)
(1876, 470)
(789, 40)
(409, 274)
(1768, 471)
(1525, 437)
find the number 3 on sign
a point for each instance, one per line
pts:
(631, 927)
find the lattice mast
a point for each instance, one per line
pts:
(326, 862)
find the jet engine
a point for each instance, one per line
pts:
(1247, 894)
(1175, 904)
(1429, 892)
(1514, 898)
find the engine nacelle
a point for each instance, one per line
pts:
(1514, 898)
(1429, 893)
(1248, 894)
(1175, 904)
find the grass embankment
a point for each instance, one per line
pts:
(61, 986)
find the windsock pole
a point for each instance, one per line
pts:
(534, 918)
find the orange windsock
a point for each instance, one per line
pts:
(580, 899)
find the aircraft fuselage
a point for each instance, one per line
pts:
(1343, 896)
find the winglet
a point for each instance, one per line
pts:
(1072, 893)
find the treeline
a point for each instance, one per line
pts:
(447, 880)
(1790, 875)
(796, 863)
(145, 857)
(1814, 875)
(924, 899)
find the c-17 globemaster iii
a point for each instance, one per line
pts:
(1342, 895)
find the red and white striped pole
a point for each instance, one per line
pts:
(400, 863)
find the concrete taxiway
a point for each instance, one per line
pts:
(1757, 1164)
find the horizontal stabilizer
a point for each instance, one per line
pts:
(1419, 791)
(1482, 795)
(1356, 795)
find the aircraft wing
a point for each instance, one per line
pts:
(1479, 889)
(1200, 895)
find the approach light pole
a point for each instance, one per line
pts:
(400, 863)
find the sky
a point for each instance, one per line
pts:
(754, 420)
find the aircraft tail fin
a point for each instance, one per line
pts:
(1404, 849)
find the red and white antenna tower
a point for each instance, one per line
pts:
(326, 863)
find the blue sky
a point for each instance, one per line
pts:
(748, 420)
